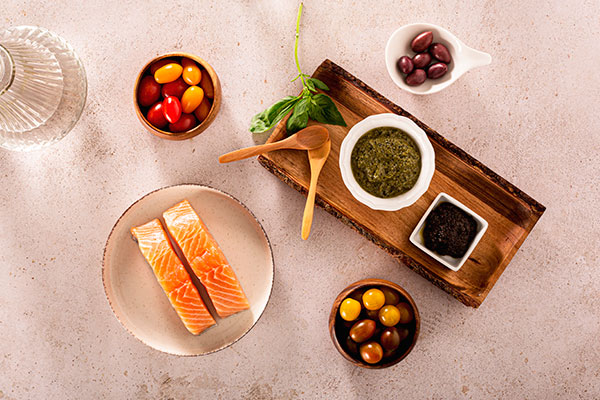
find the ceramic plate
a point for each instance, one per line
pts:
(139, 302)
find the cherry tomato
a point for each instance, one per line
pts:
(390, 339)
(391, 296)
(406, 313)
(191, 99)
(207, 86)
(185, 123)
(349, 309)
(191, 72)
(389, 315)
(168, 73)
(156, 117)
(160, 63)
(203, 109)
(371, 352)
(148, 91)
(172, 109)
(175, 88)
(363, 330)
(373, 299)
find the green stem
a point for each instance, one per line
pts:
(296, 45)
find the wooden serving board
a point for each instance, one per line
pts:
(511, 214)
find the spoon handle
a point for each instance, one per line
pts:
(250, 152)
(309, 208)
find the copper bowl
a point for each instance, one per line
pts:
(216, 103)
(334, 319)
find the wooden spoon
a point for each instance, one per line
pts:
(317, 158)
(305, 139)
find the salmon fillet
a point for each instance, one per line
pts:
(206, 259)
(172, 276)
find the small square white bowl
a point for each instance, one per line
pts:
(416, 236)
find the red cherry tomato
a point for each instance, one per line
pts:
(175, 88)
(172, 109)
(160, 63)
(156, 117)
(148, 91)
(185, 123)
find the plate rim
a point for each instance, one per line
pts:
(200, 185)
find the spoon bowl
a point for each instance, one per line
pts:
(464, 58)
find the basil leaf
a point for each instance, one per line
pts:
(318, 83)
(310, 85)
(323, 110)
(299, 117)
(267, 119)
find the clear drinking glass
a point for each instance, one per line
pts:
(43, 88)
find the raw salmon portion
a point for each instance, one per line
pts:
(172, 276)
(206, 259)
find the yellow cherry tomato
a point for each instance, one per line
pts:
(191, 99)
(191, 72)
(373, 299)
(349, 309)
(168, 73)
(389, 315)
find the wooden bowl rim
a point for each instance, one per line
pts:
(360, 284)
(216, 103)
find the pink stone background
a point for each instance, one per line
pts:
(531, 116)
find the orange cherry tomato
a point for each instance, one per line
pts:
(203, 109)
(175, 88)
(148, 91)
(168, 73)
(160, 63)
(191, 72)
(185, 123)
(172, 109)
(191, 99)
(207, 86)
(156, 117)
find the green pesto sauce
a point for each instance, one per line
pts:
(386, 162)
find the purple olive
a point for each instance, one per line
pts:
(421, 60)
(416, 77)
(437, 70)
(421, 42)
(440, 52)
(405, 65)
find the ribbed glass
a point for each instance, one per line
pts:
(43, 88)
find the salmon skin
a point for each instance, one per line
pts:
(206, 259)
(172, 276)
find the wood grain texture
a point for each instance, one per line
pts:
(511, 214)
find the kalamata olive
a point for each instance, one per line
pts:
(390, 339)
(363, 330)
(406, 313)
(405, 65)
(371, 352)
(421, 60)
(421, 42)
(391, 296)
(440, 52)
(416, 77)
(437, 70)
(351, 346)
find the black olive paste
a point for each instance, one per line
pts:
(386, 162)
(449, 230)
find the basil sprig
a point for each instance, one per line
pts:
(309, 104)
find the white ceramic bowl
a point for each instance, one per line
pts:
(416, 237)
(427, 161)
(464, 58)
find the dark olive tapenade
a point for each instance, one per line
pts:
(386, 162)
(449, 230)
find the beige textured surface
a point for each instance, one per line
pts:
(531, 116)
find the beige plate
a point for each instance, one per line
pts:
(139, 302)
